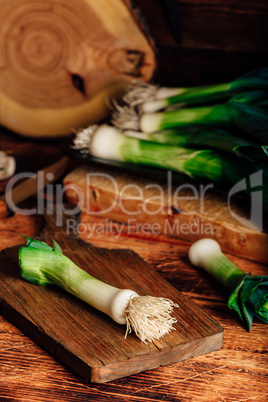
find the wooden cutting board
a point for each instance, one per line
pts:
(88, 341)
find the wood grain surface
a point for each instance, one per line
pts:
(218, 41)
(64, 62)
(88, 341)
(186, 211)
(238, 372)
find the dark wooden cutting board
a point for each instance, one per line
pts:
(88, 341)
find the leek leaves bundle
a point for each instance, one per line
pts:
(201, 132)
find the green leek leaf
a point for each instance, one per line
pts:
(252, 97)
(255, 154)
(36, 244)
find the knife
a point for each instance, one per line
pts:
(31, 186)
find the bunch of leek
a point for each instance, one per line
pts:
(150, 317)
(197, 135)
(248, 294)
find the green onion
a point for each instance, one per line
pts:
(149, 317)
(109, 143)
(152, 98)
(251, 119)
(248, 294)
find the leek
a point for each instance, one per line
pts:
(107, 142)
(194, 137)
(248, 294)
(152, 98)
(251, 119)
(149, 317)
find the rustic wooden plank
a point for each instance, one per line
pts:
(225, 367)
(171, 207)
(28, 373)
(219, 41)
(232, 25)
(59, 322)
(177, 67)
(12, 227)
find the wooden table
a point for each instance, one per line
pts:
(237, 372)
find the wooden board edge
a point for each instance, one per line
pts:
(164, 357)
(116, 370)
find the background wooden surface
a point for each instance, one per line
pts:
(218, 41)
(237, 372)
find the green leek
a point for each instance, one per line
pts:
(252, 119)
(149, 317)
(248, 294)
(109, 143)
(151, 98)
(194, 137)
